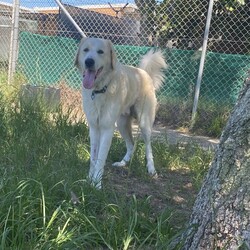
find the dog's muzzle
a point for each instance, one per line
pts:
(90, 73)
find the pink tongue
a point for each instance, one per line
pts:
(89, 79)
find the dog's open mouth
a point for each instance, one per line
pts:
(89, 77)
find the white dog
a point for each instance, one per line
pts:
(112, 93)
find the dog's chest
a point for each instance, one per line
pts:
(98, 110)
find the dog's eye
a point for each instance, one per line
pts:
(86, 50)
(100, 51)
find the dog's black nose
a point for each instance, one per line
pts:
(89, 62)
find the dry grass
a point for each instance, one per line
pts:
(71, 101)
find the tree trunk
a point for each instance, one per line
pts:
(221, 213)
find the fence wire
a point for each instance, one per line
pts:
(48, 42)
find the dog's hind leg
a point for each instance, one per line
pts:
(146, 134)
(124, 124)
(145, 124)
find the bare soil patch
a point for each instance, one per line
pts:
(171, 191)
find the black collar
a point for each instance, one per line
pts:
(101, 91)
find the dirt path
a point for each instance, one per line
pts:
(176, 137)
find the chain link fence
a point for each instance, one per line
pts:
(48, 41)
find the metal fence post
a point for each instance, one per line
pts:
(14, 40)
(70, 18)
(202, 61)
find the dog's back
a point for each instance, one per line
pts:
(153, 63)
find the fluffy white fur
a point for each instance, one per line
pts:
(130, 94)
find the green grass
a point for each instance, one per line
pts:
(47, 202)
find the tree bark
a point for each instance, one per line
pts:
(221, 213)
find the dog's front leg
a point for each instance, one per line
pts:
(106, 135)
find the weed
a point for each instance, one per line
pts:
(211, 118)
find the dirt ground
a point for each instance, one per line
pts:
(171, 191)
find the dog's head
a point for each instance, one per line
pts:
(95, 57)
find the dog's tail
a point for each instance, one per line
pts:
(153, 63)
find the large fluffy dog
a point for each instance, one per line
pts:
(112, 93)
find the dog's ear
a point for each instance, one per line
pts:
(78, 51)
(112, 55)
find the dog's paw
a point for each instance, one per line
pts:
(95, 184)
(153, 174)
(121, 163)
(98, 185)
